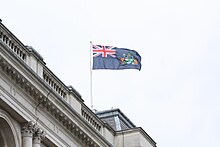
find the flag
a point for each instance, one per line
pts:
(109, 57)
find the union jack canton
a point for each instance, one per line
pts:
(103, 50)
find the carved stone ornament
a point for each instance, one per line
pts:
(38, 136)
(28, 129)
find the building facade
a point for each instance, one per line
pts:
(39, 110)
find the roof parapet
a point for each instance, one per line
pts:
(74, 91)
(33, 51)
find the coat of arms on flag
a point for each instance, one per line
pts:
(109, 57)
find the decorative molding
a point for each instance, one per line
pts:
(91, 119)
(54, 85)
(28, 129)
(18, 53)
(38, 136)
(21, 81)
(13, 45)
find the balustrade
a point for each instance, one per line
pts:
(91, 119)
(54, 84)
(17, 49)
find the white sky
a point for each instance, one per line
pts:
(175, 96)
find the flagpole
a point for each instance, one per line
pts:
(91, 96)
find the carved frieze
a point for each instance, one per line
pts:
(29, 128)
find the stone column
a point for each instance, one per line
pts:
(38, 136)
(27, 133)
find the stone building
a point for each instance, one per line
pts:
(39, 110)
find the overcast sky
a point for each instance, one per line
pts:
(175, 97)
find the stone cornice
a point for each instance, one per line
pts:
(23, 53)
(13, 42)
(6, 31)
(69, 89)
(50, 107)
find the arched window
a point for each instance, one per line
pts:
(8, 136)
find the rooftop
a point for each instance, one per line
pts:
(116, 119)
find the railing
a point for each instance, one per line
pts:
(91, 118)
(54, 84)
(11, 43)
(23, 53)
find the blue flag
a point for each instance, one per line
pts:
(109, 57)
